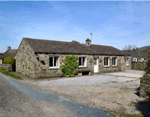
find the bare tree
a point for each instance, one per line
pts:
(73, 41)
(129, 47)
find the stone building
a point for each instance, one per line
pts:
(136, 55)
(9, 53)
(38, 58)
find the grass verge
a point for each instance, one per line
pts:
(10, 74)
(132, 115)
(114, 113)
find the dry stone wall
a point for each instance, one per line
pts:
(6, 67)
(137, 65)
(145, 86)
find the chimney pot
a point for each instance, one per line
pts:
(88, 42)
(8, 48)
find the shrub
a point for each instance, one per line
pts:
(140, 68)
(147, 67)
(9, 60)
(70, 66)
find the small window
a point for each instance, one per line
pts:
(127, 61)
(82, 61)
(53, 62)
(106, 61)
(95, 61)
(114, 61)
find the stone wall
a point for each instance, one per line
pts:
(37, 65)
(44, 71)
(141, 60)
(145, 86)
(137, 65)
(25, 60)
(6, 67)
(121, 66)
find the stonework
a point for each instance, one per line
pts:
(37, 65)
(121, 66)
(145, 86)
(6, 67)
(137, 65)
(25, 60)
(141, 60)
(1, 61)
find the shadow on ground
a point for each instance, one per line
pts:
(143, 106)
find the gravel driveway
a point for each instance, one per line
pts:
(115, 92)
(99, 79)
(20, 100)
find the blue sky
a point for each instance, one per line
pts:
(112, 23)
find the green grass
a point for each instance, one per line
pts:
(114, 113)
(10, 74)
(132, 115)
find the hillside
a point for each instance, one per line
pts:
(144, 48)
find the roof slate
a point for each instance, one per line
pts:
(9, 53)
(136, 53)
(50, 46)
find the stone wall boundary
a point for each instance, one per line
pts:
(6, 67)
(137, 65)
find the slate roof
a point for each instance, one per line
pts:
(9, 53)
(136, 53)
(60, 47)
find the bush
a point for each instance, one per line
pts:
(140, 68)
(9, 60)
(70, 67)
(147, 67)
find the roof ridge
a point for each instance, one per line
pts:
(27, 38)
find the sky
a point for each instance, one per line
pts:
(111, 23)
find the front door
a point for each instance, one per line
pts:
(95, 65)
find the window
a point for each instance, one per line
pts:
(0, 61)
(127, 61)
(106, 61)
(95, 61)
(114, 61)
(82, 61)
(53, 62)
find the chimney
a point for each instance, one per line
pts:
(134, 49)
(88, 42)
(8, 48)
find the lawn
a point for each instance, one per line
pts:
(10, 74)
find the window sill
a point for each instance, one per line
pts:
(82, 66)
(114, 65)
(54, 68)
(106, 66)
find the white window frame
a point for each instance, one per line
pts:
(127, 63)
(1, 61)
(135, 59)
(85, 63)
(108, 62)
(115, 61)
(53, 62)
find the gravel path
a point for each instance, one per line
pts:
(111, 91)
(20, 100)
